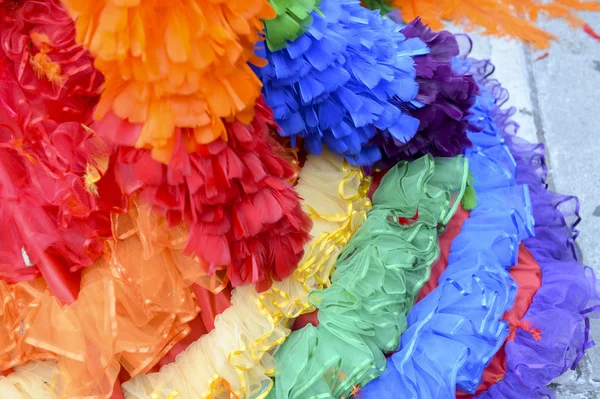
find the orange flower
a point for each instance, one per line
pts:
(174, 64)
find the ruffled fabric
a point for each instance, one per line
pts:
(452, 230)
(173, 65)
(526, 274)
(444, 100)
(456, 329)
(134, 305)
(35, 380)
(503, 18)
(211, 305)
(568, 292)
(245, 221)
(233, 359)
(247, 333)
(293, 17)
(335, 83)
(378, 275)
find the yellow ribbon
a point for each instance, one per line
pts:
(156, 395)
(318, 263)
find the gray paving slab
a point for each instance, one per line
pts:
(565, 87)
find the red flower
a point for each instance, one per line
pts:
(49, 162)
(55, 74)
(242, 214)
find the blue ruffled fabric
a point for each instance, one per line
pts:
(568, 292)
(333, 85)
(455, 331)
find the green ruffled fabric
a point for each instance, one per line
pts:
(293, 17)
(382, 5)
(377, 277)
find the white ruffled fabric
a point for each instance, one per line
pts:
(35, 380)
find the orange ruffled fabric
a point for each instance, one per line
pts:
(504, 18)
(171, 64)
(134, 305)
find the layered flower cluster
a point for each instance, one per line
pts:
(51, 163)
(444, 100)
(293, 17)
(242, 215)
(55, 75)
(173, 64)
(334, 84)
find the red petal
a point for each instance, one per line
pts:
(268, 206)
(247, 220)
(212, 248)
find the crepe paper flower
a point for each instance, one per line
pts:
(335, 83)
(173, 65)
(55, 74)
(502, 18)
(444, 100)
(293, 17)
(242, 215)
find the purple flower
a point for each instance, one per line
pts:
(442, 103)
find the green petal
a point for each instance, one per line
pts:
(293, 17)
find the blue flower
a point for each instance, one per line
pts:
(335, 84)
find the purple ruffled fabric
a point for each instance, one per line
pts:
(443, 102)
(568, 287)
